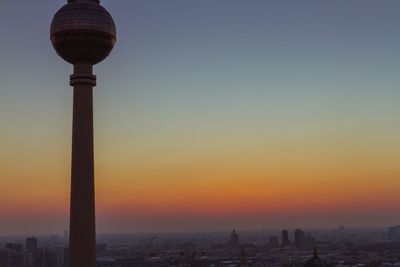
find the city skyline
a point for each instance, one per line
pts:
(209, 116)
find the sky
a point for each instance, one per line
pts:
(209, 115)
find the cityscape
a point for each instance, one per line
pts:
(229, 133)
(340, 247)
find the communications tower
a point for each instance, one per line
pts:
(83, 34)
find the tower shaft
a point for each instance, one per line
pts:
(82, 240)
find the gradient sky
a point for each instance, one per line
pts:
(209, 115)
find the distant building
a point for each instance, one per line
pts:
(298, 238)
(285, 238)
(243, 260)
(315, 261)
(15, 247)
(4, 258)
(234, 239)
(183, 261)
(66, 256)
(308, 242)
(273, 241)
(31, 244)
(394, 232)
(303, 240)
(18, 259)
(54, 258)
(39, 257)
(43, 257)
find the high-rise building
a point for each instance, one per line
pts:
(183, 261)
(298, 238)
(83, 33)
(285, 238)
(31, 244)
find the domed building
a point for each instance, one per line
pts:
(315, 261)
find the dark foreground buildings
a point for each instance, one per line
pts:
(83, 34)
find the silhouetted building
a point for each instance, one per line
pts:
(13, 258)
(298, 238)
(285, 238)
(43, 257)
(234, 239)
(394, 232)
(54, 258)
(304, 240)
(315, 261)
(83, 33)
(101, 248)
(308, 242)
(31, 244)
(39, 257)
(243, 259)
(18, 259)
(183, 261)
(4, 258)
(66, 256)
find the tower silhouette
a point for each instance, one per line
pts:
(285, 238)
(83, 34)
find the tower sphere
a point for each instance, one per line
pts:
(82, 31)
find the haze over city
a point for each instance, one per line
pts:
(209, 115)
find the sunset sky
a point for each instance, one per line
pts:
(209, 115)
